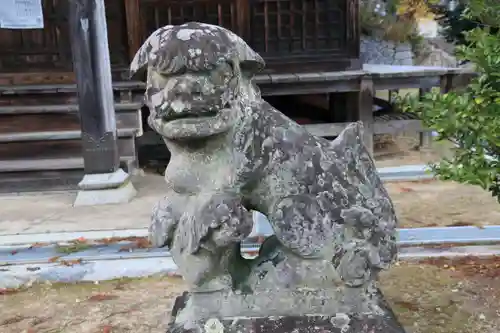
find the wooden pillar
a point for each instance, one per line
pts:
(338, 106)
(355, 106)
(242, 18)
(363, 106)
(391, 94)
(104, 182)
(446, 83)
(134, 31)
(91, 64)
(425, 135)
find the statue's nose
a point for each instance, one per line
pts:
(196, 89)
(187, 88)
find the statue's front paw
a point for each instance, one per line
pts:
(228, 219)
(163, 224)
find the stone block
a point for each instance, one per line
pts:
(268, 321)
(103, 189)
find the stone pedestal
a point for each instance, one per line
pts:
(380, 320)
(284, 293)
(333, 221)
(102, 189)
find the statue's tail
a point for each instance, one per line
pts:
(351, 213)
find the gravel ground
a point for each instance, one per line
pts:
(437, 296)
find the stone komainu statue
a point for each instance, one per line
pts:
(232, 152)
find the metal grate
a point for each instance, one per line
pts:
(161, 13)
(298, 26)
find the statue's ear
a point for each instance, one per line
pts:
(141, 59)
(251, 67)
(148, 52)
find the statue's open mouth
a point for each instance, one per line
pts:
(193, 123)
(190, 115)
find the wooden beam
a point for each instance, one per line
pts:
(410, 82)
(316, 100)
(61, 108)
(381, 127)
(90, 51)
(338, 106)
(392, 93)
(36, 150)
(397, 126)
(242, 18)
(425, 137)
(363, 110)
(55, 135)
(62, 180)
(353, 28)
(48, 164)
(446, 83)
(30, 78)
(326, 130)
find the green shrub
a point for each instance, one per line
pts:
(394, 20)
(384, 22)
(470, 118)
(454, 23)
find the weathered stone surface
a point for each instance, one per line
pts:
(436, 52)
(104, 189)
(383, 321)
(288, 294)
(232, 152)
(381, 52)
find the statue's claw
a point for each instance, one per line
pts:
(163, 224)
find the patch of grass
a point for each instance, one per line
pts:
(72, 248)
(103, 286)
(429, 299)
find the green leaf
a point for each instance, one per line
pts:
(471, 117)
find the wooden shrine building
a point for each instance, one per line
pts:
(311, 48)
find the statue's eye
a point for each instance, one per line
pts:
(216, 77)
(221, 74)
(157, 79)
(169, 73)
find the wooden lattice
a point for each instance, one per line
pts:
(157, 13)
(50, 48)
(298, 26)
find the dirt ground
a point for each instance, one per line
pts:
(442, 296)
(111, 307)
(440, 203)
(432, 297)
(403, 150)
(433, 203)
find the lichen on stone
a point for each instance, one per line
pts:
(232, 152)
